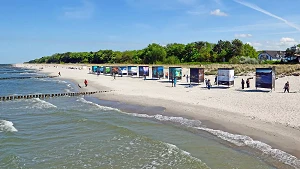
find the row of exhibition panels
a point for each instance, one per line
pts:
(265, 77)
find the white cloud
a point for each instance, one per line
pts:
(84, 11)
(218, 12)
(243, 35)
(255, 7)
(285, 41)
(280, 44)
(256, 45)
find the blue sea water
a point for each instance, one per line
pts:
(79, 132)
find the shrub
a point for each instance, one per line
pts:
(234, 60)
(172, 60)
(248, 60)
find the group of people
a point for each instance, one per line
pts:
(247, 83)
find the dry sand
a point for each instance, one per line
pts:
(270, 117)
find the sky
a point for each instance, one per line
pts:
(31, 29)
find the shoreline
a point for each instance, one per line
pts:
(269, 137)
(277, 135)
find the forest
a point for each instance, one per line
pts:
(234, 51)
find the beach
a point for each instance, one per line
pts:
(270, 117)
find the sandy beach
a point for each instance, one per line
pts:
(269, 117)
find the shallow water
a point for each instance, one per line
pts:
(79, 132)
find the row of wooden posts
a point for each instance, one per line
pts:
(11, 72)
(26, 77)
(30, 96)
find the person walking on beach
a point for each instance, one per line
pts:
(187, 78)
(172, 81)
(243, 84)
(216, 78)
(114, 75)
(208, 84)
(175, 80)
(287, 87)
(248, 83)
(85, 82)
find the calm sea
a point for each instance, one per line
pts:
(79, 132)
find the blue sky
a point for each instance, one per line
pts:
(31, 29)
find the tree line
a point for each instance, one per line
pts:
(174, 53)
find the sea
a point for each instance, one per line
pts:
(81, 132)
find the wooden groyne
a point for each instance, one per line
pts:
(10, 72)
(25, 77)
(30, 96)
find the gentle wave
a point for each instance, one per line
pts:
(25, 73)
(52, 80)
(7, 126)
(40, 104)
(242, 140)
(105, 108)
(239, 140)
(68, 90)
(181, 120)
(172, 148)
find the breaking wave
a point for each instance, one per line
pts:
(105, 108)
(40, 104)
(7, 126)
(242, 140)
(239, 140)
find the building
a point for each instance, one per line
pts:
(295, 49)
(271, 55)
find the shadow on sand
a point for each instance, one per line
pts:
(216, 87)
(189, 85)
(165, 81)
(253, 90)
(151, 79)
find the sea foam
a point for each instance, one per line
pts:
(105, 108)
(242, 140)
(40, 104)
(239, 140)
(7, 126)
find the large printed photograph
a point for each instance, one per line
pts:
(196, 75)
(175, 72)
(157, 71)
(264, 78)
(143, 70)
(225, 76)
(94, 68)
(107, 70)
(123, 70)
(100, 69)
(132, 70)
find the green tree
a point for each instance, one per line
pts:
(175, 49)
(237, 47)
(154, 53)
(249, 51)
